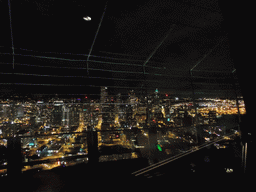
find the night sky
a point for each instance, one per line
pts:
(52, 42)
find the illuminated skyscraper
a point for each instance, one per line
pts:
(40, 111)
(104, 110)
(156, 93)
(65, 115)
(119, 111)
(104, 106)
(103, 95)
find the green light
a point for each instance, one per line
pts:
(85, 109)
(159, 147)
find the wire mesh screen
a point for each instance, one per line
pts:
(176, 94)
(138, 111)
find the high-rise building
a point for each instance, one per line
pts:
(107, 108)
(129, 115)
(19, 112)
(57, 113)
(107, 105)
(156, 93)
(118, 109)
(74, 114)
(132, 98)
(40, 111)
(104, 113)
(103, 104)
(65, 116)
(5, 110)
(103, 95)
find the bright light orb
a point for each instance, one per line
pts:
(87, 18)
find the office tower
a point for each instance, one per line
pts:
(103, 95)
(107, 113)
(107, 109)
(19, 112)
(156, 93)
(5, 110)
(74, 115)
(104, 113)
(104, 105)
(65, 116)
(40, 111)
(132, 98)
(118, 107)
(57, 113)
(129, 115)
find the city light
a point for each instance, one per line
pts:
(122, 114)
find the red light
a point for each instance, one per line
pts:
(166, 95)
(86, 97)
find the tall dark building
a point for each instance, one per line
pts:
(128, 116)
(66, 120)
(118, 108)
(74, 113)
(57, 113)
(103, 95)
(5, 110)
(104, 108)
(156, 97)
(105, 113)
(19, 111)
(107, 109)
(41, 112)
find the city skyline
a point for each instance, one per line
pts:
(55, 128)
(164, 105)
(87, 82)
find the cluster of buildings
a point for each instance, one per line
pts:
(116, 117)
(110, 112)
